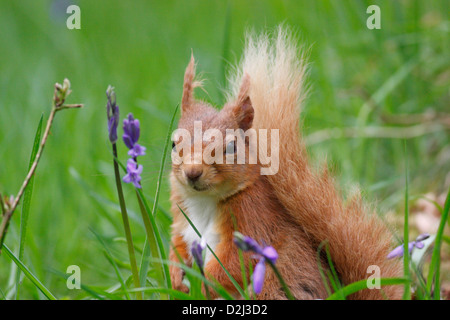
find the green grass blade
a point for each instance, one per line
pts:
(93, 292)
(362, 284)
(29, 274)
(406, 255)
(322, 270)
(243, 273)
(284, 285)
(27, 202)
(333, 276)
(145, 261)
(150, 246)
(152, 214)
(110, 258)
(163, 161)
(434, 271)
(421, 292)
(241, 262)
(159, 242)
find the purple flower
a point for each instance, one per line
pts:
(131, 131)
(258, 275)
(136, 151)
(197, 251)
(133, 173)
(398, 252)
(270, 254)
(112, 111)
(263, 253)
(246, 243)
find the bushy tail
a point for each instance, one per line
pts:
(356, 238)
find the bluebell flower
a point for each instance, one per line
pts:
(136, 151)
(131, 133)
(112, 111)
(258, 276)
(133, 173)
(267, 253)
(270, 253)
(418, 243)
(197, 252)
(246, 243)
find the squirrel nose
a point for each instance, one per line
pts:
(194, 173)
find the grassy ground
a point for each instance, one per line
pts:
(397, 77)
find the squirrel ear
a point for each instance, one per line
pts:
(188, 86)
(243, 109)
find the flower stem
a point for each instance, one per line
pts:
(280, 278)
(10, 211)
(126, 225)
(56, 106)
(208, 294)
(151, 238)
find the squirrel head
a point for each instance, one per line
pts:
(207, 143)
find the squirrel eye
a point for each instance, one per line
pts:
(231, 148)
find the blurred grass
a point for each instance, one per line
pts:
(142, 49)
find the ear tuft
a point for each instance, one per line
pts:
(188, 86)
(243, 109)
(245, 87)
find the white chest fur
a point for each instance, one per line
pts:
(202, 211)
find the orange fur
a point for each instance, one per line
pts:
(294, 210)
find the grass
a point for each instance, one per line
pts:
(359, 78)
(27, 203)
(406, 254)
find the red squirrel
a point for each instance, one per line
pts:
(295, 210)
